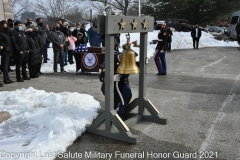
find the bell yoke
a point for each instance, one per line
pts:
(109, 123)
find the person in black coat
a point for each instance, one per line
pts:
(6, 51)
(77, 30)
(84, 33)
(196, 34)
(33, 58)
(169, 38)
(19, 40)
(238, 32)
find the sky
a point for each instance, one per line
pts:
(45, 122)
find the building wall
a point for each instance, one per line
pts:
(6, 10)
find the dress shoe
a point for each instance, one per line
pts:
(48, 59)
(161, 74)
(26, 78)
(55, 72)
(20, 80)
(1, 84)
(8, 82)
(36, 76)
(62, 70)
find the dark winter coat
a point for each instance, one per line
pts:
(42, 35)
(169, 37)
(79, 41)
(57, 38)
(75, 32)
(37, 43)
(85, 37)
(162, 40)
(5, 41)
(33, 57)
(95, 39)
(193, 33)
(66, 46)
(19, 41)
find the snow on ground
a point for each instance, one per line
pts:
(43, 122)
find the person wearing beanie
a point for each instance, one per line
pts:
(20, 45)
(6, 51)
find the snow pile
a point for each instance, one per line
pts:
(43, 122)
(180, 40)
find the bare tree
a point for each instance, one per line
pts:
(122, 5)
(54, 8)
(20, 6)
(77, 14)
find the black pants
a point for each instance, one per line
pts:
(45, 55)
(238, 37)
(70, 56)
(58, 54)
(195, 41)
(32, 71)
(21, 61)
(5, 65)
(169, 45)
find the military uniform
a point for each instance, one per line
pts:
(160, 59)
(19, 40)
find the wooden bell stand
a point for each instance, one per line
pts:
(108, 123)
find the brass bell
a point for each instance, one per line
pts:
(127, 60)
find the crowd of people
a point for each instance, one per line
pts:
(25, 45)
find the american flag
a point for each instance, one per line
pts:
(81, 48)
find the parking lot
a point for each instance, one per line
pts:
(200, 98)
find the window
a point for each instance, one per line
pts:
(169, 22)
(176, 22)
(234, 20)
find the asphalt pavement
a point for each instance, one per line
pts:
(199, 96)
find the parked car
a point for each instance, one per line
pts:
(214, 29)
(233, 22)
(179, 24)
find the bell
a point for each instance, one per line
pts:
(127, 61)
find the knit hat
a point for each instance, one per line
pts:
(17, 23)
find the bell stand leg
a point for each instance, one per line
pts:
(109, 116)
(141, 102)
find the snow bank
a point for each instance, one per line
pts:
(43, 122)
